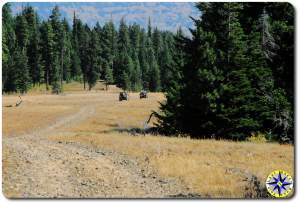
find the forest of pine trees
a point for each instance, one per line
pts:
(53, 53)
(235, 76)
(232, 78)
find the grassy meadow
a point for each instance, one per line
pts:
(208, 167)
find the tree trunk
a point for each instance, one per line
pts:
(47, 79)
(84, 81)
(62, 68)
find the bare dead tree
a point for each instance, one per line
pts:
(269, 45)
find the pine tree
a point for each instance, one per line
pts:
(154, 72)
(166, 62)
(33, 54)
(124, 62)
(127, 70)
(75, 59)
(93, 60)
(149, 32)
(169, 119)
(48, 53)
(134, 35)
(66, 51)
(143, 60)
(84, 39)
(21, 73)
(8, 45)
(108, 74)
(109, 47)
(56, 76)
(75, 65)
(22, 32)
(59, 49)
(136, 75)
(123, 38)
(157, 44)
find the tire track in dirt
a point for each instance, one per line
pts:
(47, 169)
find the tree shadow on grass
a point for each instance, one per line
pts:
(135, 131)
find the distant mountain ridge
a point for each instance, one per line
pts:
(164, 15)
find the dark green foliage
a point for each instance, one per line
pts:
(56, 76)
(22, 32)
(154, 72)
(231, 78)
(47, 50)
(136, 75)
(108, 74)
(75, 60)
(57, 52)
(166, 61)
(83, 39)
(169, 120)
(8, 45)
(229, 86)
(66, 52)
(108, 36)
(22, 78)
(94, 61)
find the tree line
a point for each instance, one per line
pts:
(235, 76)
(232, 78)
(52, 52)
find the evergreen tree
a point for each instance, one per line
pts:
(94, 60)
(154, 72)
(58, 49)
(21, 73)
(66, 51)
(56, 76)
(143, 60)
(108, 74)
(166, 62)
(127, 70)
(33, 54)
(22, 32)
(75, 59)
(157, 44)
(109, 41)
(8, 44)
(48, 53)
(169, 119)
(75, 65)
(149, 32)
(134, 35)
(124, 62)
(84, 39)
(136, 75)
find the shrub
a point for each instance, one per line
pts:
(257, 137)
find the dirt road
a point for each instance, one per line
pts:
(37, 167)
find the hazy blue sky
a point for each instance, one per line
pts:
(164, 15)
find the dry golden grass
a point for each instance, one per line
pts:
(34, 112)
(39, 110)
(197, 162)
(203, 165)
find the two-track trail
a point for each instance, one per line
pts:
(36, 167)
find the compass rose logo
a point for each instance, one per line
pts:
(279, 184)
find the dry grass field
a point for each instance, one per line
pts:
(72, 125)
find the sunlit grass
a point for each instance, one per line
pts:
(201, 164)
